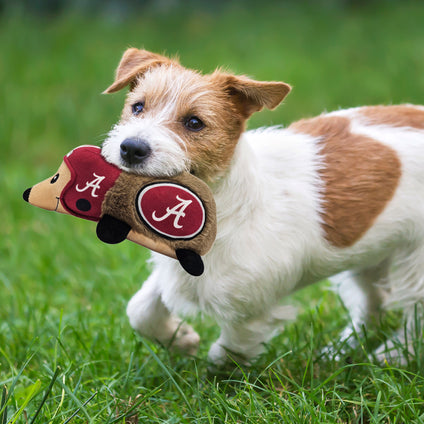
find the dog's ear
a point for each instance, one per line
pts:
(135, 62)
(251, 96)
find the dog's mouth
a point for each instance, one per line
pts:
(57, 203)
(132, 169)
(153, 168)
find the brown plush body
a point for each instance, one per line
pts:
(119, 203)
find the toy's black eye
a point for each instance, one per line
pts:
(193, 123)
(137, 108)
(54, 179)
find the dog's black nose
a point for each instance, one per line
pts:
(134, 151)
(26, 194)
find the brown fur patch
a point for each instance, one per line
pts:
(251, 96)
(360, 177)
(135, 62)
(396, 116)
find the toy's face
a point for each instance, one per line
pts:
(79, 186)
(47, 194)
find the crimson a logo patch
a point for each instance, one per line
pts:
(171, 210)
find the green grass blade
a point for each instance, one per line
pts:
(34, 389)
(168, 373)
(46, 395)
(80, 408)
(3, 406)
(15, 381)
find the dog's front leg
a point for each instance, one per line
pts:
(237, 343)
(241, 341)
(151, 318)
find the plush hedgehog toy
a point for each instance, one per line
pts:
(173, 216)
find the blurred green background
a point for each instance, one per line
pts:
(56, 57)
(63, 293)
(334, 53)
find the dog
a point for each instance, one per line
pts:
(340, 195)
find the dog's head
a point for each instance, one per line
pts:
(175, 119)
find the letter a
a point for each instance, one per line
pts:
(94, 185)
(177, 210)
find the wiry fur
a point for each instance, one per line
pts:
(271, 204)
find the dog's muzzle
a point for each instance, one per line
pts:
(134, 151)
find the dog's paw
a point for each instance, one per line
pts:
(332, 353)
(391, 353)
(344, 344)
(185, 340)
(217, 355)
(220, 357)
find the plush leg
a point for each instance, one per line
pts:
(150, 317)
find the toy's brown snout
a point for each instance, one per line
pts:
(47, 193)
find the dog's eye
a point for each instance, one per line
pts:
(193, 123)
(137, 108)
(54, 179)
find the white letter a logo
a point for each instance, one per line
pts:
(94, 185)
(177, 210)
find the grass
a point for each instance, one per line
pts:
(67, 353)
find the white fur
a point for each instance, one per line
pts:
(270, 240)
(168, 153)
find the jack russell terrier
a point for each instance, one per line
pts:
(341, 194)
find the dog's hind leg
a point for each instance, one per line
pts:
(362, 294)
(406, 284)
(150, 317)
